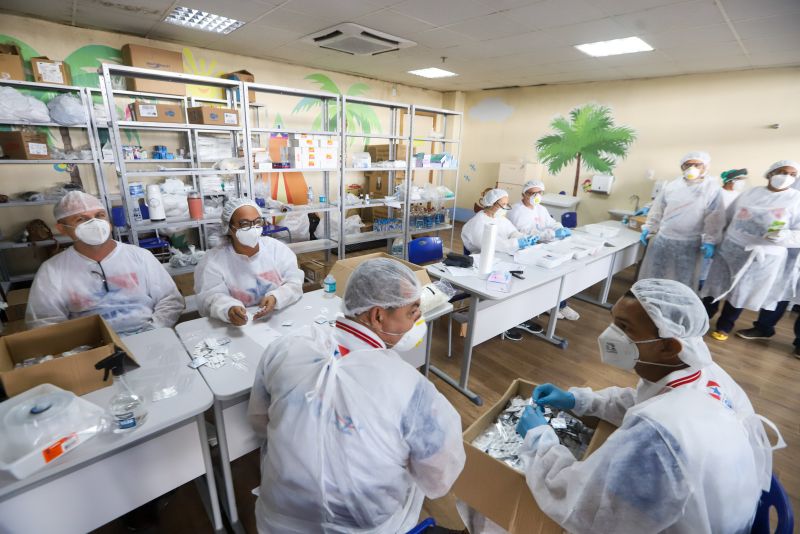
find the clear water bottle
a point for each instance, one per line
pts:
(397, 248)
(310, 195)
(127, 407)
(329, 286)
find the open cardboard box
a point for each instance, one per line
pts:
(75, 373)
(342, 269)
(500, 492)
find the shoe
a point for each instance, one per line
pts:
(569, 314)
(797, 352)
(719, 336)
(512, 334)
(531, 326)
(752, 333)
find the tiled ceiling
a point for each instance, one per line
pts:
(489, 43)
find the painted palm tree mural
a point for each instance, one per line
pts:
(358, 118)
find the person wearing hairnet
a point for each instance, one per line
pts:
(246, 270)
(355, 437)
(124, 284)
(690, 454)
(531, 218)
(687, 219)
(509, 240)
(732, 185)
(754, 258)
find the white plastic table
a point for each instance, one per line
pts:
(113, 474)
(231, 386)
(492, 312)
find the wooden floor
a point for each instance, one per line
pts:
(766, 370)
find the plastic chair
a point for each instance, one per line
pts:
(775, 497)
(569, 219)
(270, 229)
(422, 527)
(425, 250)
(466, 252)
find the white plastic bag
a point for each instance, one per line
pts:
(67, 110)
(298, 225)
(14, 106)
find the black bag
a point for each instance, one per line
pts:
(458, 260)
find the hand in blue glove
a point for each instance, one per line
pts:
(532, 240)
(708, 250)
(522, 242)
(643, 237)
(561, 233)
(531, 418)
(642, 211)
(550, 395)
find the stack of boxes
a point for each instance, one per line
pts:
(313, 152)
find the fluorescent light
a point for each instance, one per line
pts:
(202, 20)
(614, 47)
(432, 72)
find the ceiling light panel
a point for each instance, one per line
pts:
(202, 20)
(614, 47)
(432, 72)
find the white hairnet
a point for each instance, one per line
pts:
(530, 184)
(76, 202)
(493, 196)
(699, 156)
(678, 313)
(782, 163)
(379, 282)
(231, 206)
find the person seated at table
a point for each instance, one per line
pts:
(354, 436)
(124, 284)
(531, 218)
(690, 454)
(247, 269)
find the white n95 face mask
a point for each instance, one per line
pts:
(781, 181)
(93, 232)
(619, 350)
(412, 338)
(249, 237)
(692, 173)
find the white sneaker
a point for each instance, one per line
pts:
(569, 314)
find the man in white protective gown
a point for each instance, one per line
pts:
(355, 437)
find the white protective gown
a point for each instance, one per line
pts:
(141, 295)
(667, 468)
(684, 215)
(507, 233)
(355, 436)
(224, 278)
(748, 269)
(728, 197)
(534, 221)
(789, 289)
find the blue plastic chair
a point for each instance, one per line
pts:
(425, 250)
(775, 497)
(569, 219)
(270, 229)
(422, 527)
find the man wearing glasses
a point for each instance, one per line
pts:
(124, 284)
(246, 270)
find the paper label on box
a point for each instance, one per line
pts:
(148, 110)
(213, 116)
(230, 118)
(59, 447)
(37, 149)
(51, 72)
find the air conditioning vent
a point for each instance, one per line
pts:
(357, 40)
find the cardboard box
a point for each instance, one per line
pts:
(500, 492)
(144, 112)
(636, 223)
(157, 59)
(381, 152)
(243, 76)
(378, 182)
(342, 269)
(75, 373)
(216, 116)
(24, 145)
(46, 70)
(314, 270)
(328, 158)
(11, 65)
(17, 300)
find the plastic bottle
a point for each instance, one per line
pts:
(397, 248)
(127, 408)
(329, 286)
(310, 195)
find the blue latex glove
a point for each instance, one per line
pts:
(531, 418)
(522, 242)
(561, 233)
(550, 395)
(532, 240)
(643, 237)
(708, 250)
(642, 211)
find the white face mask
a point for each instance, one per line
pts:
(619, 350)
(93, 232)
(412, 338)
(738, 185)
(781, 181)
(248, 237)
(692, 173)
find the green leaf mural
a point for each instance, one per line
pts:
(86, 60)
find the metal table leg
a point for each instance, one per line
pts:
(603, 300)
(550, 336)
(229, 502)
(211, 486)
(428, 342)
(461, 385)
